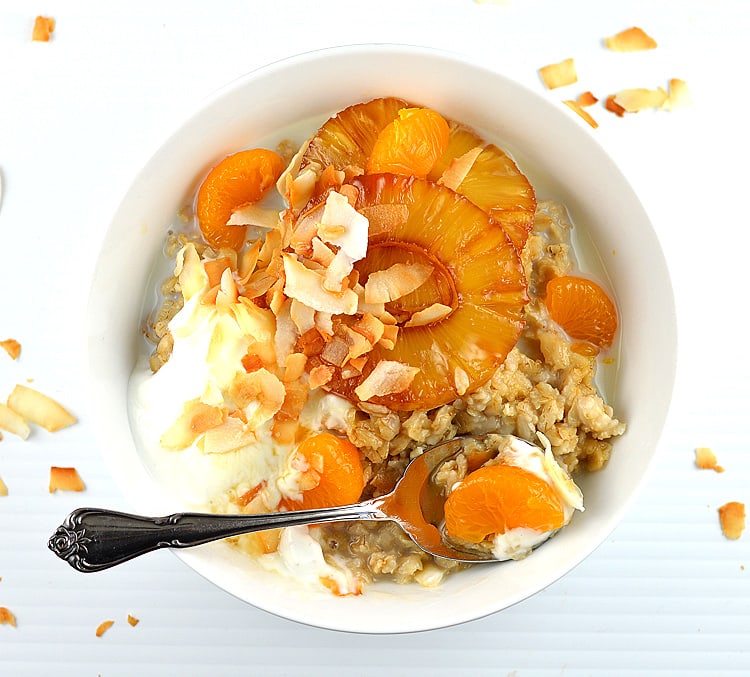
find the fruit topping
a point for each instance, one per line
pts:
(237, 181)
(583, 309)
(497, 498)
(449, 268)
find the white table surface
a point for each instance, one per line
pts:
(79, 116)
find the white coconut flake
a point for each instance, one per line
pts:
(306, 286)
(350, 228)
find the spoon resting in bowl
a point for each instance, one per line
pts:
(94, 539)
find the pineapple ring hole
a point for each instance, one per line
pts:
(440, 287)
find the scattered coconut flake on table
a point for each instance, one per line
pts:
(12, 347)
(133, 620)
(103, 627)
(705, 459)
(630, 40)
(44, 26)
(64, 479)
(732, 519)
(576, 107)
(3, 488)
(586, 99)
(641, 98)
(559, 74)
(6, 617)
(39, 409)
(12, 422)
(613, 107)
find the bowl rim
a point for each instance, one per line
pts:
(210, 560)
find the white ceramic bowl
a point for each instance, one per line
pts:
(563, 162)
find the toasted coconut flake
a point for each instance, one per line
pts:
(400, 279)
(215, 269)
(103, 627)
(387, 378)
(586, 99)
(638, 99)
(358, 364)
(3, 488)
(133, 621)
(227, 293)
(732, 519)
(64, 479)
(40, 409)
(358, 344)
(559, 74)
(253, 215)
(338, 271)
(321, 252)
(294, 367)
(613, 107)
(303, 316)
(196, 418)
(458, 168)
(320, 375)
(190, 272)
(295, 398)
(324, 324)
(574, 106)
(44, 26)
(390, 334)
(370, 327)
(630, 40)
(7, 617)
(306, 229)
(461, 381)
(679, 95)
(294, 194)
(433, 313)
(231, 435)
(260, 394)
(286, 332)
(248, 262)
(306, 286)
(705, 459)
(258, 284)
(363, 308)
(12, 347)
(13, 422)
(344, 226)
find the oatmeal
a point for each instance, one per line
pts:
(304, 353)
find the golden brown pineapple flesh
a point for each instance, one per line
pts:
(477, 272)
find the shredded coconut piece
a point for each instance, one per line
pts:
(559, 74)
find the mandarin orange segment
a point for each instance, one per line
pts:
(237, 181)
(583, 309)
(498, 498)
(333, 466)
(476, 272)
(411, 144)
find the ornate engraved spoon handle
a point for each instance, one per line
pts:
(92, 539)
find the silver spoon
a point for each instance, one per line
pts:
(93, 539)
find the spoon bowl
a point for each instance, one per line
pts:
(93, 539)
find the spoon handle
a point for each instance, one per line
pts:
(92, 539)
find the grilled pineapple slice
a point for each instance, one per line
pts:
(493, 181)
(476, 272)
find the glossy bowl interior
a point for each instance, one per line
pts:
(563, 162)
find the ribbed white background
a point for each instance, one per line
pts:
(666, 594)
